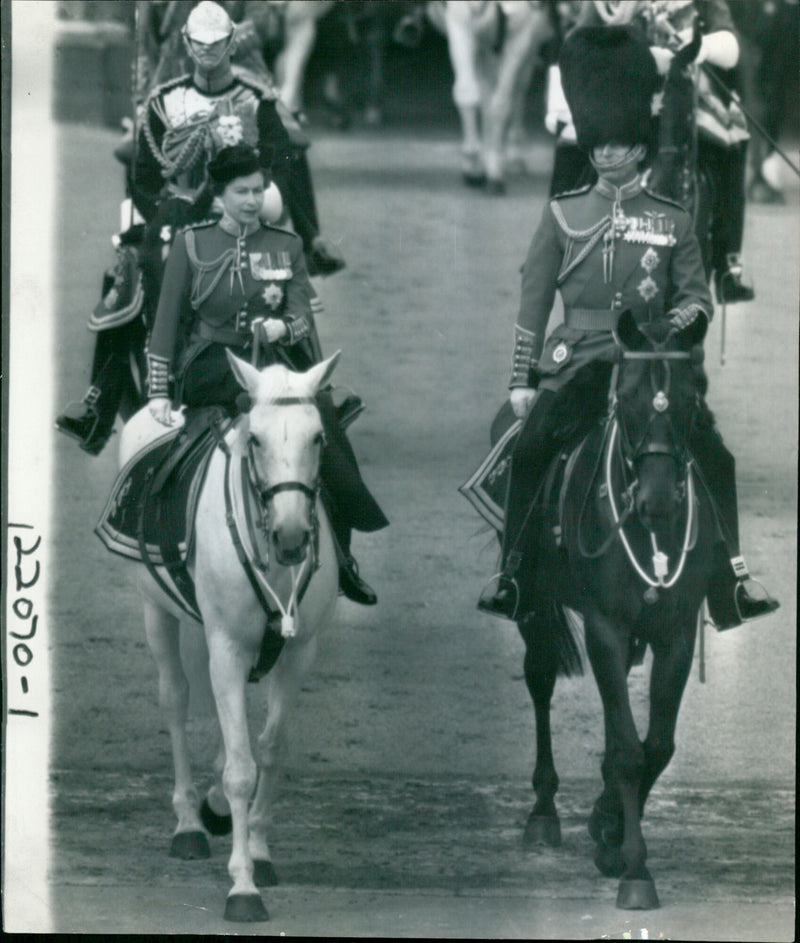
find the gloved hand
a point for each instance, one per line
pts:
(161, 410)
(522, 398)
(663, 57)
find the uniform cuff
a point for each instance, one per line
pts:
(297, 329)
(157, 376)
(522, 359)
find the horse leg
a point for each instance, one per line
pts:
(230, 665)
(607, 650)
(542, 827)
(462, 49)
(672, 663)
(290, 66)
(283, 685)
(163, 638)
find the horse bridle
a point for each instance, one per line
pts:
(632, 452)
(661, 578)
(267, 492)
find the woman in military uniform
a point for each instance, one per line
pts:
(230, 284)
(608, 248)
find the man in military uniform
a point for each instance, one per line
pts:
(187, 121)
(608, 248)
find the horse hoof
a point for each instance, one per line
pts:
(637, 895)
(215, 824)
(189, 846)
(474, 180)
(495, 187)
(542, 830)
(264, 874)
(245, 908)
(608, 861)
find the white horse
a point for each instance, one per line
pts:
(494, 46)
(300, 18)
(279, 443)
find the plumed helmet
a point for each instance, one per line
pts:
(609, 78)
(208, 23)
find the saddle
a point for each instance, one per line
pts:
(149, 515)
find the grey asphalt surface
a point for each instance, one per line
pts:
(412, 745)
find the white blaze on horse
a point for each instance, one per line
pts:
(494, 46)
(277, 448)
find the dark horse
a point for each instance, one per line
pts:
(632, 555)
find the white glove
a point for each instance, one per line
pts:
(663, 57)
(161, 410)
(522, 398)
(275, 329)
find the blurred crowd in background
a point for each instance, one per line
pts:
(378, 64)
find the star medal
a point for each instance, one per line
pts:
(650, 261)
(272, 295)
(647, 288)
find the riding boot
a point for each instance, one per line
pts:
(91, 421)
(532, 453)
(347, 500)
(730, 602)
(350, 583)
(557, 419)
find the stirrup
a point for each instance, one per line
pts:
(489, 603)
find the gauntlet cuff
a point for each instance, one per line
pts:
(522, 359)
(157, 376)
(297, 328)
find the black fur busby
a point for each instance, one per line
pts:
(238, 160)
(609, 79)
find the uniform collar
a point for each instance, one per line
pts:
(233, 228)
(617, 194)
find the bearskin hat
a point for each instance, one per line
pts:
(609, 78)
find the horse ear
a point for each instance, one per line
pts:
(320, 373)
(628, 332)
(246, 374)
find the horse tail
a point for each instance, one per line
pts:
(555, 635)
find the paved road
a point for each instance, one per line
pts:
(408, 781)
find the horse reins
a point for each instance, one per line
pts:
(264, 493)
(614, 428)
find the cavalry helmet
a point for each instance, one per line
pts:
(208, 23)
(609, 78)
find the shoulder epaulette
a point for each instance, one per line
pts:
(264, 88)
(568, 193)
(203, 224)
(271, 228)
(663, 199)
(166, 86)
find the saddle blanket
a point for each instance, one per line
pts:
(152, 503)
(486, 487)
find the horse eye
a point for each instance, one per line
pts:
(319, 439)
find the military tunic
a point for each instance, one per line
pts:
(607, 250)
(215, 284)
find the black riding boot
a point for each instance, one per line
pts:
(91, 421)
(729, 599)
(347, 500)
(532, 453)
(556, 420)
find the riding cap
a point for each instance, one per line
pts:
(609, 78)
(239, 160)
(208, 23)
